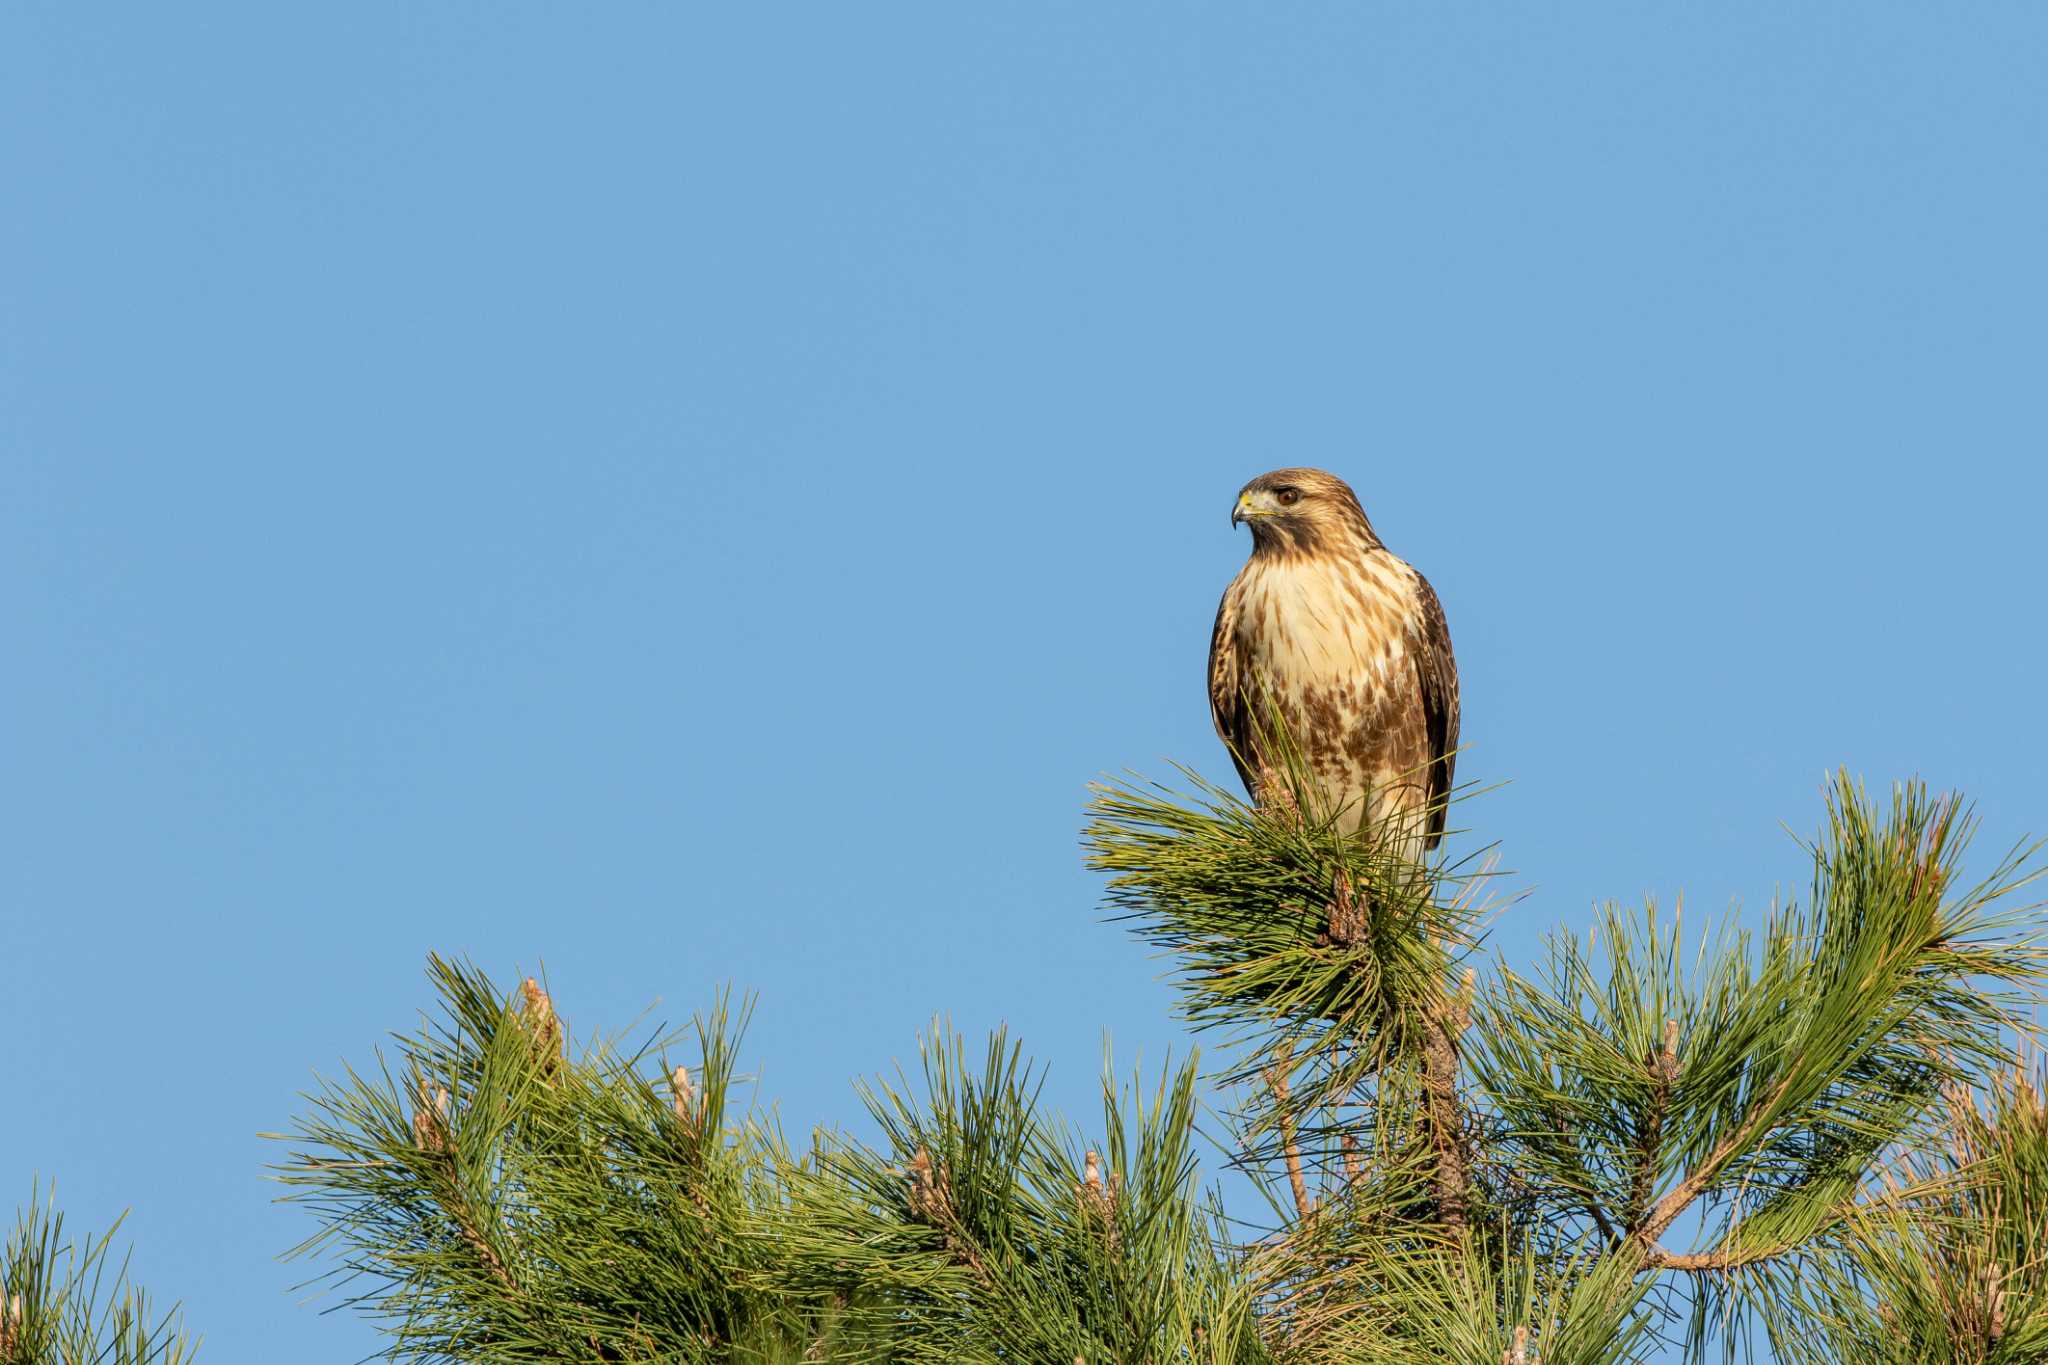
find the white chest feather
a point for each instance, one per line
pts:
(1311, 623)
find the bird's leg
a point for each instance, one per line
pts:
(1271, 793)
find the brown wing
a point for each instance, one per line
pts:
(1438, 672)
(1226, 689)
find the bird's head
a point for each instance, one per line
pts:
(1301, 511)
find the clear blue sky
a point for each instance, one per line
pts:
(690, 494)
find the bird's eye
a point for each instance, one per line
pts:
(1288, 496)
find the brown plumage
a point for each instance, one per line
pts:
(1347, 645)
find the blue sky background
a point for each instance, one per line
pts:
(688, 494)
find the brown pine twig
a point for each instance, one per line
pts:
(1441, 1030)
(1290, 1146)
(465, 1223)
(1667, 1209)
(1663, 1066)
(432, 1133)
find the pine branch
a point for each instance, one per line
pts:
(68, 1300)
(1453, 1173)
(1804, 1059)
(1667, 1209)
(1300, 938)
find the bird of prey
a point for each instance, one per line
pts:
(1345, 645)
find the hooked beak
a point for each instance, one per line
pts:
(1244, 511)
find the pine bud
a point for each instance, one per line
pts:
(1099, 1196)
(928, 1197)
(685, 1093)
(539, 1014)
(430, 1117)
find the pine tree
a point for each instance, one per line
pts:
(1815, 1133)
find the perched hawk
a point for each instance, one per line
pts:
(1346, 645)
